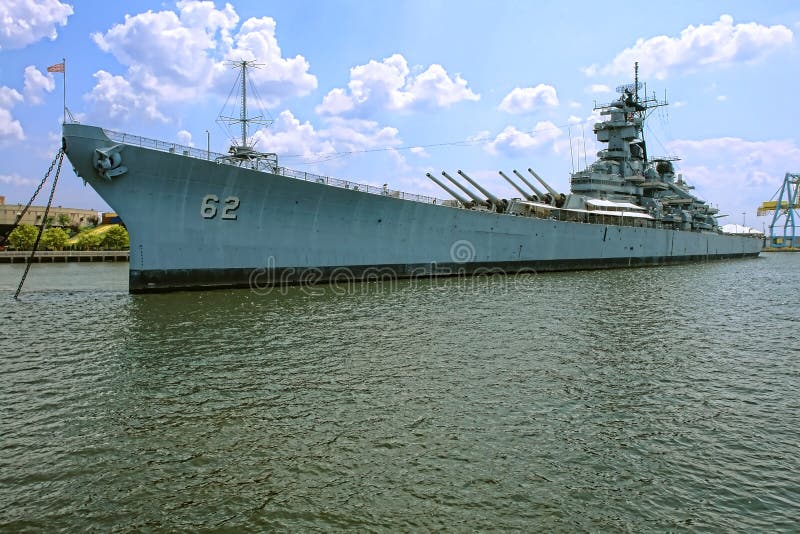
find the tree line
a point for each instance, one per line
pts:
(55, 238)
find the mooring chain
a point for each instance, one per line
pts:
(60, 158)
(21, 214)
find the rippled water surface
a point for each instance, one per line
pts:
(656, 399)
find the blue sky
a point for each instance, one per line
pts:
(383, 92)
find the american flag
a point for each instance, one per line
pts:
(58, 67)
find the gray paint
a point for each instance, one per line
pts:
(286, 223)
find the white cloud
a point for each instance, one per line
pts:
(480, 137)
(525, 100)
(336, 102)
(179, 56)
(26, 21)
(9, 97)
(16, 180)
(280, 77)
(513, 142)
(596, 88)
(10, 128)
(594, 117)
(36, 84)
(358, 134)
(184, 138)
(115, 98)
(719, 43)
(288, 136)
(389, 85)
(722, 98)
(203, 14)
(166, 51)
(435, 86)
(419, 151)
(339, 137)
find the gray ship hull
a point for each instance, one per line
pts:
(196, 223)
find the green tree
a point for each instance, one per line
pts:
(23, 237)
(54, 238)
(48, 222)
(88, 240)
(63, 219)
(116, 238)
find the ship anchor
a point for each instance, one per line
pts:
(108, 162)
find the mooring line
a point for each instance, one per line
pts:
(22, 213)
(60, 158)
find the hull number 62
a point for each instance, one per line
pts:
(210, 205)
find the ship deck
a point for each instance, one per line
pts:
(194, 152)
(603, 217)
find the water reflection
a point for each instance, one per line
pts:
(579, 401)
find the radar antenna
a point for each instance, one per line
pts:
(243, 119)
(632, 87)
(242, 153)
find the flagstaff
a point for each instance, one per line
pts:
(62, 68)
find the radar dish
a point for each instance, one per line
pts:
(629, 87)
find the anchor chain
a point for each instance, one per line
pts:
(21, 214)
(60, 159)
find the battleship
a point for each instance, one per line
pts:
(202, 220)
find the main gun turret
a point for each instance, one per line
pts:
(558, 198)
(500, 205)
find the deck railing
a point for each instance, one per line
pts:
(194, 152)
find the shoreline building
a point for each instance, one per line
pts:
(61, 216)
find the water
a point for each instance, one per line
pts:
(657, 399)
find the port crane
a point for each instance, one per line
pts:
(783, 205)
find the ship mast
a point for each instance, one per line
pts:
(240, 151)
(243, 119)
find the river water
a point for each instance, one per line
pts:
(655, 399)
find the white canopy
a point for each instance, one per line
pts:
(603, 203)
(615, 213)
(536, 204)
(739, 229)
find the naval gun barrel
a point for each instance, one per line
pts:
(558, 198)
(472, 195)
(455, 195)
(499, 204)
(536, 191)
(525, 194)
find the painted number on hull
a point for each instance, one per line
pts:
(209, 206)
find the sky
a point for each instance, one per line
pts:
(382, 92)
